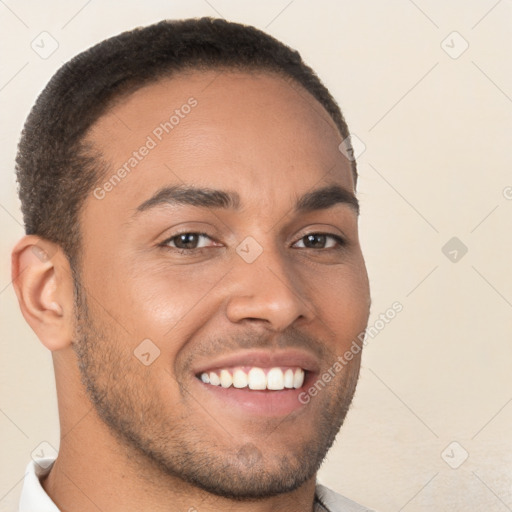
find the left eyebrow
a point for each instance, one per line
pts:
(319, 199)
(325, 197)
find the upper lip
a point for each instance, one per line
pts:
(262, 359)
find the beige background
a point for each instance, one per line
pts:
(437, 165)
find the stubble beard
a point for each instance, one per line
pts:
(127, 402)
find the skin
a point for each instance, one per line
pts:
(136, 437)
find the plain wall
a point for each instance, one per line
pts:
(437, 165)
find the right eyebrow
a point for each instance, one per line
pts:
(193, 196)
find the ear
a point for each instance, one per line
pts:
(43, 282)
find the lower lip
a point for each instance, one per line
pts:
(262, 403)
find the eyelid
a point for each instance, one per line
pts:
(321, 229)
(340, 240)
(165, 243)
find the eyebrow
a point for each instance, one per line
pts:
(319, 199)
(325, 197)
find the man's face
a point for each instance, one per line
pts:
(221, 289)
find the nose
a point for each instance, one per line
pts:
(268, 291)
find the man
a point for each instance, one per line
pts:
(192, 261)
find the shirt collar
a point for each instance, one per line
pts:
(33, 496)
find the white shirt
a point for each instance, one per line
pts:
(34, 498)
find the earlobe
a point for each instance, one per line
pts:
(43, 283)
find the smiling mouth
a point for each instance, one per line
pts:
(255, 378)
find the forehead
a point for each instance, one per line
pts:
(257, 132)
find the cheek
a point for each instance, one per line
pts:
(160, 301)
(341, 299)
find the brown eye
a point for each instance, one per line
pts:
(188, 241)
(315, 241)
(320, 241)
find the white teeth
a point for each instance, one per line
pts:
(298, 378)
(214, 379)
(257, 379)
(225, 379)
(275, 379)
(288, 378)
(240, 379)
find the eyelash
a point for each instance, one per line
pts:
(165, 244)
